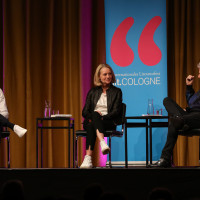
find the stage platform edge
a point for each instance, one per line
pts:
(133, 183)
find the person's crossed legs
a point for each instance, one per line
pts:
(179, 119)
(96, 128)
(4, 122)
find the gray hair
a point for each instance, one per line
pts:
(198, 65)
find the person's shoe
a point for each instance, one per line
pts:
(162, 163)
(87, 163)
(177, 121)
(104, 147)
(19, 130)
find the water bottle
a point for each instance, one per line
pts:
(150, 109)
(47, 109)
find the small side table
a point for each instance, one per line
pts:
(40, 126)
(148, 124)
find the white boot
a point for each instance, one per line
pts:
(104, 147)
(87, 163)
(19, 130)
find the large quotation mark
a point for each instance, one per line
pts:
(148, 51)
(121, 53)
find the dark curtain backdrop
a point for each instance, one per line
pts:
(183, 54)
(43, 60)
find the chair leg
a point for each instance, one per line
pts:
(110, 165)
(8, 148)
(76, 152)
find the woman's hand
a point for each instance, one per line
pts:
(99, 112)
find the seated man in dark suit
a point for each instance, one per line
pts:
(4, 122)
(180, 119)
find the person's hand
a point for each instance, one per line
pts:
(189, 80)
(99, 112)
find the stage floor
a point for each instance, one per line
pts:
(133, 183)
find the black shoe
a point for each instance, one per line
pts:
(162, 163)
(177, 122)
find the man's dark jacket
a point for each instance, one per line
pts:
(193, 99)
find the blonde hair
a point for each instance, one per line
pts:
(97, 81)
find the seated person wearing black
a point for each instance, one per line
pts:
(180, 119)
(4, 122)
(101, 111)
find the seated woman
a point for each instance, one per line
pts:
(4, 122)
(101, 111)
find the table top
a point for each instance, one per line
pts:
(55, 118)
(148, 117)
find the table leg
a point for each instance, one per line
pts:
(73, 146)
(126, 146)
(69, 144)
(41, 148)
(150, 130)
(147, 146)
(36, 143)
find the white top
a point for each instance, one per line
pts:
(102, 105)
(3, 106)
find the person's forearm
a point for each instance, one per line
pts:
(189, 92)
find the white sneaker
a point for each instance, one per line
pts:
(104, 147)
(87, 163)
(19, 130)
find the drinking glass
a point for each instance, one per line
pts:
(159, 111)
(55, 112)
(47, 109)
(150, 108)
